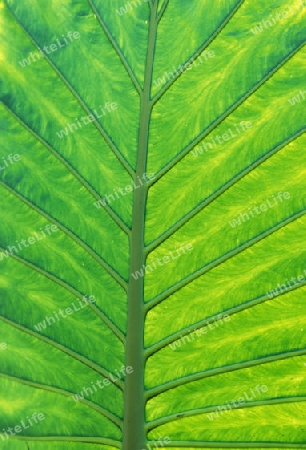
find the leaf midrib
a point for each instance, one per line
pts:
(134, 434)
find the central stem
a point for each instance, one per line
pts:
(134, 434)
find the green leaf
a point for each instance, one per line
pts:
(152, 242)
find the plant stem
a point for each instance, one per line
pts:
(134, 434)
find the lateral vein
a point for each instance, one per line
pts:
(179, 285)
(116, 47)
(223, 116)
(73, 291)
(231, 311)
(193, 212)
(195, 412)
(235, 445)
(110, 270)
(90, 440)
(104, 412)
(88, 111)
(73, 171)
(162, 10)
(150, 393)
(82, 359)
(215, 34)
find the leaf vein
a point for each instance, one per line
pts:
(74, 292)
(223, 116)
(194, 412)
(73, 171)
(234, 445)
(85, 439)
(235, 179)
(162, 10)
(157, 390)
(109, 269)
(87, 362)
(230, 312)
(55, 390)
(116, 47)
(197, 53)
(179, 285)
(73, 91)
